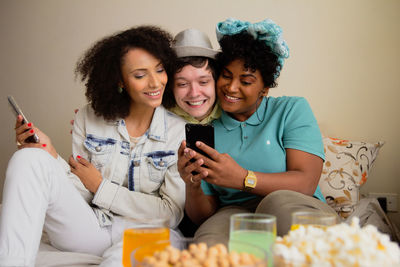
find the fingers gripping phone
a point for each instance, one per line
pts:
(199, 132)
(31, 139)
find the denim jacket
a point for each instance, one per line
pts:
(143, 184)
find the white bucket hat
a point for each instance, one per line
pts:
(193, 43)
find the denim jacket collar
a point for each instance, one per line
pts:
(158, 130)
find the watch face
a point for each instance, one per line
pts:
(250, 182)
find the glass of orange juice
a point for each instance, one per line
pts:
(314, 218)
(157, 230)
(146, 250)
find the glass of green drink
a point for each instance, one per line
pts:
(252, 228)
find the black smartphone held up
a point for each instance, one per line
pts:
(199, 132)
(31, 139)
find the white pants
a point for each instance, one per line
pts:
(37, 194)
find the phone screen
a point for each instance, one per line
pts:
(199, 132)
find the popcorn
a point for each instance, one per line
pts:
(341, 245)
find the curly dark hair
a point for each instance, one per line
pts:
(100, 67)
(195, 61)
(255, 54)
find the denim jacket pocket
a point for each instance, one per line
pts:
(100, 149)
(158, 162)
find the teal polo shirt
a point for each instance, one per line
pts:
(259, 143)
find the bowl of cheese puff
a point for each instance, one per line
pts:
(185, 252)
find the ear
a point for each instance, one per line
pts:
(264, 91)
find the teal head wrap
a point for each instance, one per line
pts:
(267, 31)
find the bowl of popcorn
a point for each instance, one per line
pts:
(188, 253)
(341, 245)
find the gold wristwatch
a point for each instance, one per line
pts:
(250, 181)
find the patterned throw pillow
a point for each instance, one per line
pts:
(346, 168)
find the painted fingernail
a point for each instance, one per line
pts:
(31, 131)
(76, 110)
(78, 157)
(30, 124)
(44, 145)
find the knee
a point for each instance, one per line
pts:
(27, 161)
(216, 228)
(213, 231)
(29, 155)
(276, 199)
(280, 204)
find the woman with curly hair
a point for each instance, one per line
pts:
(268, 152)
(123, 171)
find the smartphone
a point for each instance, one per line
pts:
(31, 139)
(199, 132)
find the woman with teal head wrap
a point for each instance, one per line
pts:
(265, 31)
(268, 152)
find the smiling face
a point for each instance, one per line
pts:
(240, 90)
(143, 77)
(194, 90)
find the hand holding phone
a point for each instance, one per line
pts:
(31, 139)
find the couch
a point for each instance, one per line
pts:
(346, 169)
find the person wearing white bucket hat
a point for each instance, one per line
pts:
(194, 96)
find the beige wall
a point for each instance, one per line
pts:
(344, 59)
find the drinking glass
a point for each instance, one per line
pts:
(314, 218)
(139, 253)
(253, 228)
(157, 230)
